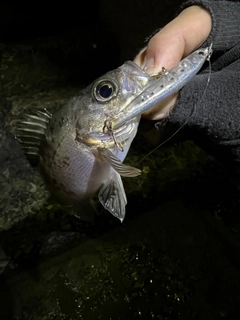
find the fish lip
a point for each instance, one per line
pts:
(128, 126)
(123, 131)
(136, 66)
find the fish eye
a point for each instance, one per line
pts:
(105, 90)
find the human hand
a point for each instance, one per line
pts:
(171, 44)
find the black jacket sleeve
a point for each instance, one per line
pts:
(225, 22)
(213, 112)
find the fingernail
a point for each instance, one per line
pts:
(148, 65)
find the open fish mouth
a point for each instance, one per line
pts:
(133, 65)
(121, 133)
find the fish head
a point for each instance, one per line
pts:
(107, 97)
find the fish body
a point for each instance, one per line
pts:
(81, 147)
(75, 164)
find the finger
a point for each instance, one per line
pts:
(176, 40)
(165, 49)
(140, 57)
(162, 109)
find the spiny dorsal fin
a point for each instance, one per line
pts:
(30, 131)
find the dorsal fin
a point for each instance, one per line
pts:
(30, 131)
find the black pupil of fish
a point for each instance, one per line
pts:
(105, 91)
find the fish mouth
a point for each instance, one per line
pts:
(133, 65)
(121, 134)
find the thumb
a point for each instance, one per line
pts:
(176, 40)
(165, 49)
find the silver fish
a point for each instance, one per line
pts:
(81, 147)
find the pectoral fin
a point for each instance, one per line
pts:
(122, 169)
(112, 196)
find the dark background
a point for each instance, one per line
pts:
(104, 33)
(176, 256)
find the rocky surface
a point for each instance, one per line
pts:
(176, 254)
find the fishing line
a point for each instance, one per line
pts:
(189, 116)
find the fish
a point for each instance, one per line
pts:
(80, 148)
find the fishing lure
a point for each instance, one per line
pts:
(159, 88)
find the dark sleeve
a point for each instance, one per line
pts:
(225, 22)
(212, 113)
